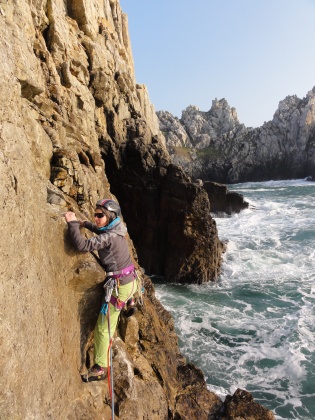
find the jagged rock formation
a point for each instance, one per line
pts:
(72, 119)
(224, 201)
(214, 146)
(242, 406)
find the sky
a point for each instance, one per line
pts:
(253, 53)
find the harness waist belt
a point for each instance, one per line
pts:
(124, 272)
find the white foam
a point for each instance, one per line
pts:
(254, 328)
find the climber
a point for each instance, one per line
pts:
(114, 255)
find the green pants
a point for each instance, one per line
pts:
(101, 336)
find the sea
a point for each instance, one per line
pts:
(254, 328)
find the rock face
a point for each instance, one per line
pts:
(214, 146)
(74, 126)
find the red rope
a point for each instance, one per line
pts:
(110, 344)
(108, 350)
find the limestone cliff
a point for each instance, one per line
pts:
(75, 126)
(215, 146)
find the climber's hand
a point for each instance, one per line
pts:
(70, 216)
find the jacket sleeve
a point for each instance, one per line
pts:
(81, 243)
(88, 225)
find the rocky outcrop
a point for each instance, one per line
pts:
(214, 146)
(242, 406)
(222, 200)
(74, 126)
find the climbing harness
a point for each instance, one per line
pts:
(124, 272)
(112, 284)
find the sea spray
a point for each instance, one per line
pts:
(255, 327)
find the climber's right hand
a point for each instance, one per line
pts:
(70, 216)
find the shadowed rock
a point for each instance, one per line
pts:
(222, 200)
(241, 405)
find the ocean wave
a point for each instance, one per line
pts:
(255, 327)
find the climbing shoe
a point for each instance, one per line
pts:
(95, 373)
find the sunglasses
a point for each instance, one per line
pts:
(99, 215)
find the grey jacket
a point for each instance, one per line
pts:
(111, 244)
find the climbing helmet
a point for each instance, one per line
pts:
(109, 205)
